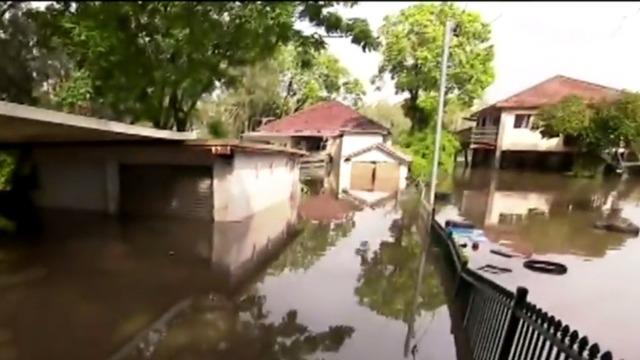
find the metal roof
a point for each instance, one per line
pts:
(28, 124)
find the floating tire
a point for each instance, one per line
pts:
(546, 267)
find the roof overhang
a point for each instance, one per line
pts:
(22, 124)
(306, 133)
(401, 157)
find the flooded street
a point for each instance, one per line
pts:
(551, 217)
(318, 277)
(324, 278)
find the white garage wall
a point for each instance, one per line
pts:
(375, 155)
(351, 143)
(252, 182)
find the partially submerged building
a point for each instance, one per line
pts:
(356, 149)
(505, 133)
(83, 163)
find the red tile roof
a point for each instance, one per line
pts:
(553, 90)
(327, 118)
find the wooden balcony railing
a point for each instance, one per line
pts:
(484, 136)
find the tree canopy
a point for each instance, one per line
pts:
(387, 114)
(287, 82)
(593, 127)
(25, 66)
(153, 61)
(411, 53)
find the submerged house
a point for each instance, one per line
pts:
(505, 135)
(90, 164)
(356, 150)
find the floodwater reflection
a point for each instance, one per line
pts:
(550, 217)
(288, 283)
(542, 214)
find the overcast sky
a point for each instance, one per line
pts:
(595, 41)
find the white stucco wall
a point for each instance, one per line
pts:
(524, 139)
(349, 144)
(374, 155)
(355, 142)
(252, 182)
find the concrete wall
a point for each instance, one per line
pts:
(88, 178)
(248, 183)
(524, 139)
(73, 184)
(238, 245)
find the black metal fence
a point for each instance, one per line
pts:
(503, 325)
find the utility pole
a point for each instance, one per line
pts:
(448, 27)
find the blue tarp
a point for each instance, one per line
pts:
(460, 234)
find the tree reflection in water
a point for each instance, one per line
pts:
(389, 276)
(217, 328)
(311, 245)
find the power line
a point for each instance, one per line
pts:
(624, 18)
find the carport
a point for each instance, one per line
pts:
(91, 164)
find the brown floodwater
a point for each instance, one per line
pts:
(329, 278)
(550, 217)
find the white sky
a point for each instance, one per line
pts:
(595, 41)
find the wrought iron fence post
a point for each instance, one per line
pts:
(512, 324)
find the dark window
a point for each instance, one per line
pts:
(522, 121)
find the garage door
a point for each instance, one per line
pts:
(386, 177)
(375, 176)
(180, 191)
(362, 176)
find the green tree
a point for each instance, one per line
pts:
(571, 118)
(27, 69)
(153, 61)
(387, 114)
(592, 128)
(287, 82)
(411, 53)
(420, 145)
(618, 122)
(315, 77)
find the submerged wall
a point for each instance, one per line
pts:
(92, 178)
(249, 183)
